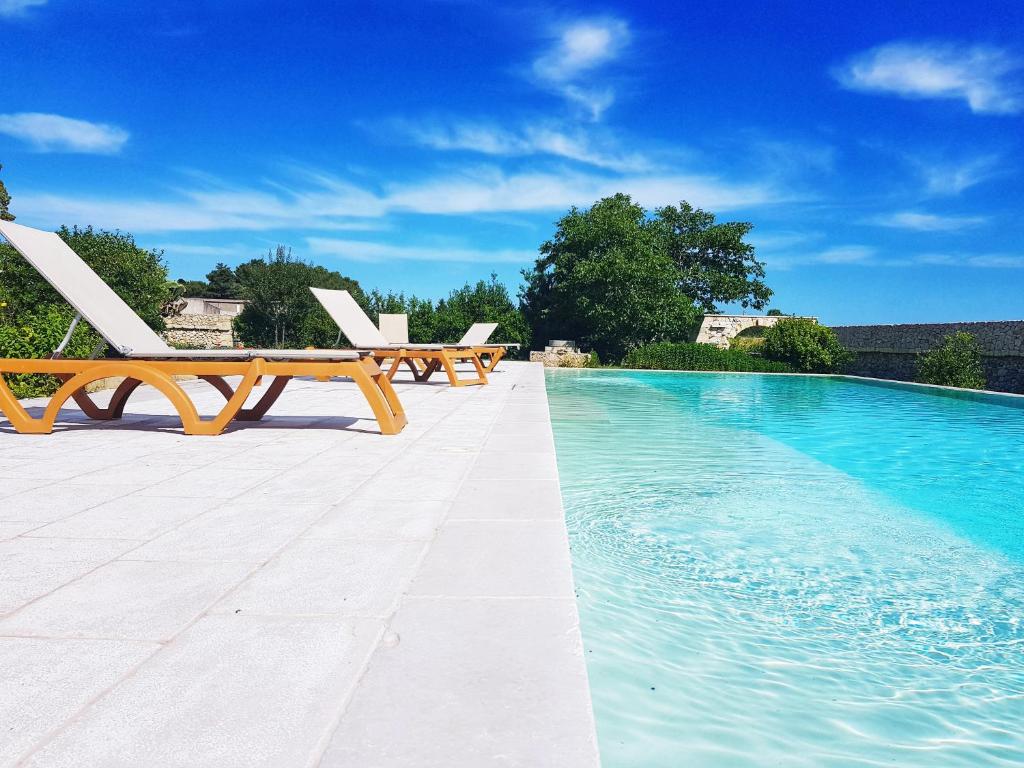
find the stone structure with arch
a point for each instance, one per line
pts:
(718, 329)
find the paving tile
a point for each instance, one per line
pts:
(210, 481)
(30, 568)
(535, 441)
(236, 532)
(508, 500)
(231, 692)
(59, 500)
(45, 682)
(380, 518)
(504, 465)
(497, 559)
(130, 517)
(472, 683)
(10, 530)
(128, 600)
(318, 577)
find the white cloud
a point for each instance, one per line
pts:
(977, 260)
(927, 222)
(982, 76)
(55, 133)
(531, 139)
(360, 250)
(578, 50)
(319, 201)
(952, 178)
(18, 7)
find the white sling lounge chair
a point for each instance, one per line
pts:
(146, 358)
(395, 328)
(364, 335)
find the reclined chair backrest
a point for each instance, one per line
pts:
(395, 328)
(353, 322)
(84, 290)
(478, 334)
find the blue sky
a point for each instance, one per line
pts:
(876, 146)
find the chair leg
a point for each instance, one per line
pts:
(376, 388)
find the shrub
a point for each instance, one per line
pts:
(37, 335)
(805, 346)
(751, 344)
(957, 363)
(671, 356)
(594, 361)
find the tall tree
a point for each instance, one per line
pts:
(222, 283)
(487, 301)
(5, 201)
(715, 265)
(281, 311)
(606, 280)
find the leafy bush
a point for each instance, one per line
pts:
(805, 345)
(594, 361)
(138, 276)
(671, 356)
(751, 344)
(957, 363)
(37, 335)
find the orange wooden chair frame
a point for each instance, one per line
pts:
(424, 363)
(76, 374)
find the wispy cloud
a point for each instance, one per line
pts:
(539, 138)
(360, 250)
(576, 52)
(985, 77)
(56, 133)
(10, 8)
(978, 260)
(320, 201)
(945, 177)
(926, 222)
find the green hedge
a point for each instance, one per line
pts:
(956, 363)
(670, 356)
(37, 334)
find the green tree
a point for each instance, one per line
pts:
(487, 301)
(775, 313)
(5, 201)
(957, 363)
(715, 265)
(805, 345)
(606, 279)
(420, 312)
(281, 311)
(138, 276)
(194, 288)
(222, 283)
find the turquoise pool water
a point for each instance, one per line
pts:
(795, 571)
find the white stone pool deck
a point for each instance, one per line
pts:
(298, 592)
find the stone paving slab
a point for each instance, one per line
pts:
(298, 592)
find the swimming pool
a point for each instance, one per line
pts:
(796, 571)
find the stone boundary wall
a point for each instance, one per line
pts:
(200, 331)
(891, 351)
(719, 329)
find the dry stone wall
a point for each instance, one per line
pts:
(891, 351)
(199, 331)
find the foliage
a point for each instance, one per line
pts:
(607, 279)
(805, 345)
(751, 344)
(138, 276)
(5, 201)
(221, 283)
(36, 334)
(957, 363)
(487, 301)
(281, 311)
(775, 313)
(715, 265)
(594, 361)
(698, 357)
